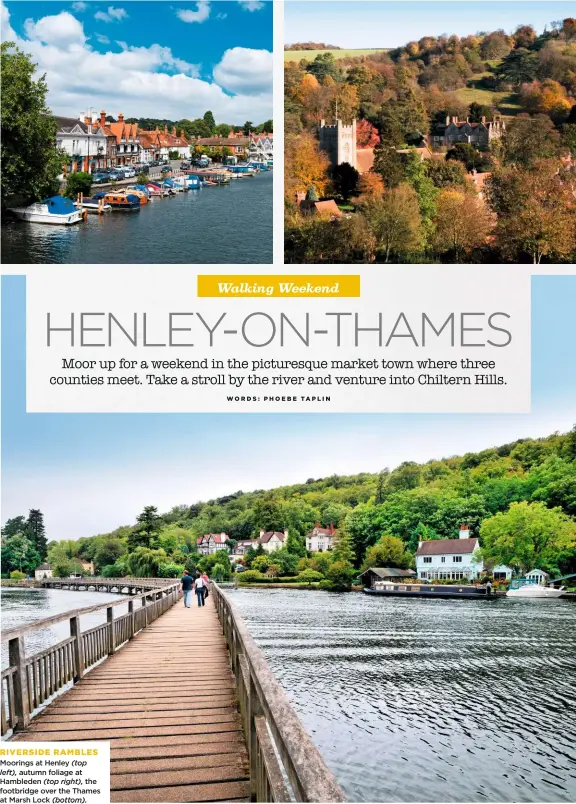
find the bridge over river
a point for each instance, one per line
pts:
(185, 697)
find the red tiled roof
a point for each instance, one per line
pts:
(328, 208)
(440, 547)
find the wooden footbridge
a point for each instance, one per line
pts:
(185, 697)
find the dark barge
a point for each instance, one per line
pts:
(391, 589)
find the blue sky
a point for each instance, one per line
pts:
(91, 473)
(357, 24)
(150, 59)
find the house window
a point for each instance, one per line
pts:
(423, 574)
(443, 559)
(427, 559)
(457, 559)
(499, 576)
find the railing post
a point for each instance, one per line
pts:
(111, 635)
(131, 612)
(16, 658)
(78, 648)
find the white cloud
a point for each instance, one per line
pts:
(142, 81)
(245, 70)
(61, 30)
(200, 15)
(102, 39)
(251, 5)
(221, 16)
(112, 15)
(79, 6)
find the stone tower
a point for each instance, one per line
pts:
(339, 142)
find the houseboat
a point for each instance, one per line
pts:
(56, 210)
(402, 583)
(120, 202)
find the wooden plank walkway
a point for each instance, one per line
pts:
(167, 704)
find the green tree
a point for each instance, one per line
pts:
(247, 127)
(389, 551)
(345, 179)
(31, 162)
(395, 222)
(147, 529)
(35, 528)
(210, 122)
(323, 65)
(108, 551)
(388, 163)
(341, 574)
(78, 183)
(310, 576)
(261, 563)
(528, 536)
(529, 139)
(222, 130)
(145, 562)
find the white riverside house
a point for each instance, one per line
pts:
(320, 539)
(210, 543)
(42, 572)
(439, 559)
(272, 540)
(84, 141)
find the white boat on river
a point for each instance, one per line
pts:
(56, 210)
(528, 588)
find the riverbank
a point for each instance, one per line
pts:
(222, 225)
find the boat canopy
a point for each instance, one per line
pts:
(58, 205)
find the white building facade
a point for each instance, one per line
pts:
(320, 540)
(442, 559)
(84, 141)
(260, 148)
(42, 572)
(210, 543)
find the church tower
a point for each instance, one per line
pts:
(339, 142)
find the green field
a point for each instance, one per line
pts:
(310, 55)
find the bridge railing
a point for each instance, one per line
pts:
(284, 763)
(29, 681)
(93, 580)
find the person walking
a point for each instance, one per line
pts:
(187, 582)
(199, 589)
(206, 580)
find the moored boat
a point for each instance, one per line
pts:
(528, 588)
(143, 195)
(94, 205)
(415, 589)
(120, 202)
(56, 210)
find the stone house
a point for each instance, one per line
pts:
(479, 134)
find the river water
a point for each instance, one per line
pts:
(227, 224)
(428, 700)
(23, 606)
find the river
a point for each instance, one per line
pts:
(428, 700)
(227, 224)
(23, 606)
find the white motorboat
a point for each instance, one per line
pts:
(526, 588)
(96, 205)
(56, 210)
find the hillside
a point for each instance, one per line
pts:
(338, 53)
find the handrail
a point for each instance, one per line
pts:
(29, 681)
(12, 633)
(272, 728)
(91, 580)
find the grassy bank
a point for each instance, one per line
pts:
(345, 53)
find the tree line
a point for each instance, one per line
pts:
(519, 499)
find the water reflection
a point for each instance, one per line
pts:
(230, 224)
(427, 700)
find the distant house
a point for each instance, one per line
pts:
(325, 209)
(84, 141)
(244, 545)
(210, 543)
(538, 576)
(385, 574)
(42, 572)
(438, 559)
(272, 540)
(479, 134)
(260, 147)
(87, 567)
(127, 141)
(320, 539)
(501, 572)
(237, 144)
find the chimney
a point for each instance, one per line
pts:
(455, 119)
(261, 533)
(102, 118)
(467, 119)
(331, 527)
(165, 128)
(87, 120)
(120, 117)
(447, 120)
(484, 118)
(464, 532)
(285, 533)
